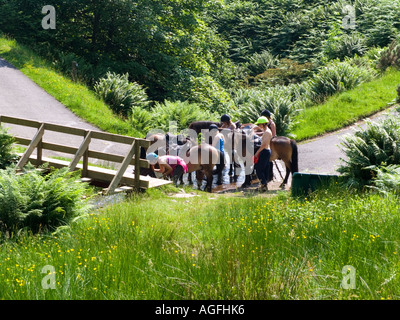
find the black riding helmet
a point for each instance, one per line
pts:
(266, 113)
(212, 127)
(225, 118)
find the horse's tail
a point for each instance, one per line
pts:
(295, 157)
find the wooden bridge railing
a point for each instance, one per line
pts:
(83, 153)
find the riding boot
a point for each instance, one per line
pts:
(247, 182)
(270, 170)
(219, 179)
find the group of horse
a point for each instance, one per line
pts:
(240, 145)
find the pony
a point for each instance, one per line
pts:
(199, 158)
(282, 148)
(198, 126)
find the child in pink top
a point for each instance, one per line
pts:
(172, 166)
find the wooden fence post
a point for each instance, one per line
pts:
(114, 183)
(83, 149)
(35, 141)
(137, 165)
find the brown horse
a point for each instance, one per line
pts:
(200, 159)
(282, 148)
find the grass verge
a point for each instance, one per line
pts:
(156, 247)
(347, 108)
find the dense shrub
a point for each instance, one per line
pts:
(287, 72)
(260, 62)
(142, 120)
(387, 179)
(346, 46)
(390, 57)
(337, 77)
(208, 94)
(64, 61)
(183, 113)
(121, 94)
(278, 100)
(7, 157)
(39, 203)
(367, 150)
(162, 114)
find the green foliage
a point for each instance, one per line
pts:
(208, 94)
(142, 120)
(183, 113)
(7, 156)
(167, 116)
(337, 77)
(346, 46)
(120, 94)
(278, 100)
(378, 21)
(39, 203)
(260, 62)
(378, 145)
(287, 72)
(387, 179)
(390, 57)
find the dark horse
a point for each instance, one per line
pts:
(205, 125)
(282, 148)
(199, 158)
(198, 126)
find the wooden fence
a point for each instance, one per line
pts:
(81, 155)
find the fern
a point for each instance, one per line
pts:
(278, 100)
(39, 203)
(387, 179)
(370, 149)
(120, 94)
(7, 157)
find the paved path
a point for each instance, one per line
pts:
(323, 154)
(21, 97)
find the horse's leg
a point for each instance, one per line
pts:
(209, 175)
(236, 175)
(231, 166)
(190, 180)
(199, 178)
(288, 170)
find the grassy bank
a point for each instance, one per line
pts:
(348, 107)
(75, 96)
(155, 247)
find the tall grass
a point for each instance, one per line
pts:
(155, 247)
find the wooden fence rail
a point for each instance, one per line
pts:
(83, 153)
